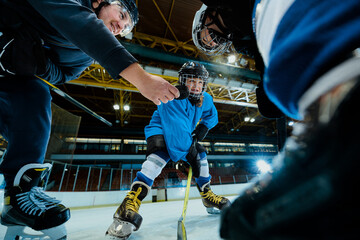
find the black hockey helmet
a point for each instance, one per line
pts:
(206, 39)
(196, 73)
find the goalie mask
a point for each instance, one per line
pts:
(194, 76)
(128, 10)
(205, 37)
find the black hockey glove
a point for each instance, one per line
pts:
(22, 49)
(184, 92)
(192, 157)
(193, 160)
(200, 132)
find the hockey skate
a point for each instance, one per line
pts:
(212, 202)
(27, 206)
(126, 218)
(312, 192)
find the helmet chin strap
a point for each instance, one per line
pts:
(194, 100)
(101, 5)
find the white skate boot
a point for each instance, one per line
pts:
(28, 208)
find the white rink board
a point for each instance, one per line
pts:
(91, 199)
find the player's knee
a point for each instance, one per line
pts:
(153, 165)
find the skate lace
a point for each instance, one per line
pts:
(133, 202)
(212, 197)
(35, 202)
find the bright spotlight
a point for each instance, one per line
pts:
(116, 106)
(263, 166)
(231, 58)
(126, 107)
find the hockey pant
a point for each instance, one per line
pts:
(25, 122)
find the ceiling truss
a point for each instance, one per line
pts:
(96, 76)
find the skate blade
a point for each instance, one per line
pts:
(213, 211)
(119, 230)
(26, 233)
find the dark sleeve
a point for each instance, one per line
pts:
(59, 75)
(80, 25)
(266, 108)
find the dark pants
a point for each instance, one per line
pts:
(25, 122)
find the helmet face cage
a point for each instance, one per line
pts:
(194, 76)
(201, 33)
(129, 9)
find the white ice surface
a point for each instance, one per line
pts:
(159, 222)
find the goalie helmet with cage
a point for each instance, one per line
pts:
(194, 76)
(128, 9)
(207, 39)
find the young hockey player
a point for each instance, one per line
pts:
(173, 134)
(55, 40)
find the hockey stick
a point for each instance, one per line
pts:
(181, 231)
(75, 102)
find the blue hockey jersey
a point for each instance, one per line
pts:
(176, 120)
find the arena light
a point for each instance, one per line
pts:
(263, 166)
(126, 107)
(231, 58)
(116, 106)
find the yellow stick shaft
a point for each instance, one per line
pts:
(188, 184)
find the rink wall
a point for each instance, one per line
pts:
(101, 198)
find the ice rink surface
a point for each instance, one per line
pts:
(159, 222)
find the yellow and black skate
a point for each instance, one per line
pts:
(127, 218)
(213, 203)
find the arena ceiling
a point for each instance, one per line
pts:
(162, 42)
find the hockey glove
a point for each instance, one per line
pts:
(184, 92)
(193, 159)
(22, 48)
(200, 132)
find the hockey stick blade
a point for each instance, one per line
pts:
(75, 102)
(181, 231)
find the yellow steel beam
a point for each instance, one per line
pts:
(166, 22)
(122, 98)
(169, 18)
(96, 76)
